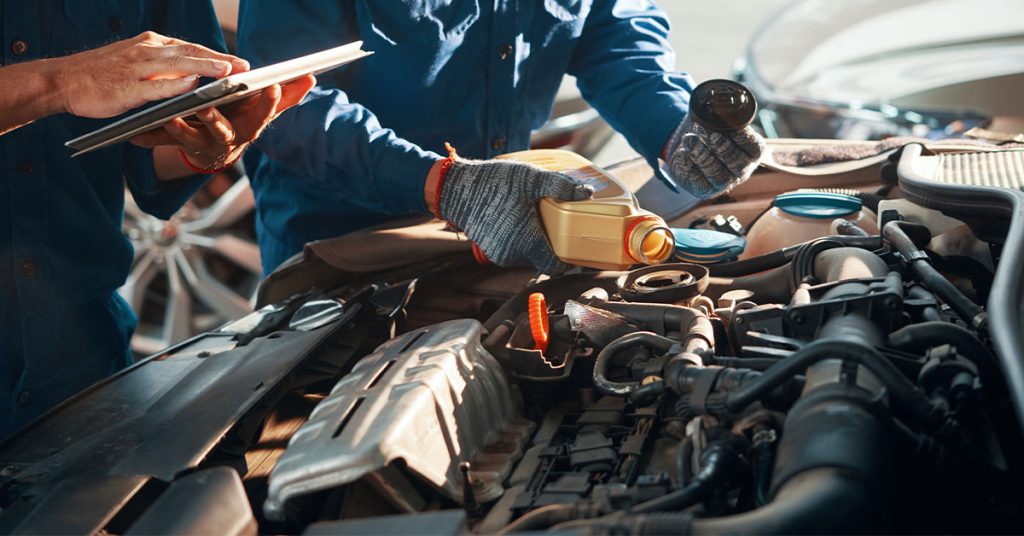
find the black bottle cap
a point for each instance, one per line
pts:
(723, 105)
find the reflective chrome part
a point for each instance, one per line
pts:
(431, 399)
(315, 314)
(193, 272)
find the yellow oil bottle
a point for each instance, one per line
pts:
(607, 232)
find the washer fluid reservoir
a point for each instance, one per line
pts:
(797, 217)
(608, 231)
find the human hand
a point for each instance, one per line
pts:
(113, 79)
(495, 203)
(707, 163)
(220, 137)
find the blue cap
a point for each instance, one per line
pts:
(820, 205)
(704, 246)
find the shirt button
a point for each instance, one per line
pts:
(25, 167)
(115, 23)
(28, 267)
(23, 398)
(19, 46)
(498, 143)
(504, 51)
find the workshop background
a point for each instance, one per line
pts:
(217, 266)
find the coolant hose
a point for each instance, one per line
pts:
(971, 313)
(782, 256)
(631, 340)
(899, 386)
(919, 337)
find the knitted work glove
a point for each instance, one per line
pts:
(708, 163)
(495, 203)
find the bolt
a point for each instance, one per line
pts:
(204, 353)
(796, 318)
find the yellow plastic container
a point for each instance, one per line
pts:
(607, 232)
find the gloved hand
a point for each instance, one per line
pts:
(495, 203)
(708, 163)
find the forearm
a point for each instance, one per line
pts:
(334, 143)
(625, 68)
(31, 92)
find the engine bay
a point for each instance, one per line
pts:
(857, 381)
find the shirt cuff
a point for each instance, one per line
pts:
(154, 196)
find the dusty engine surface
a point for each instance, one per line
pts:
(681, 399)
(865, 380)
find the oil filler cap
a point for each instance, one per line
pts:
(820, 205)
(705, 246)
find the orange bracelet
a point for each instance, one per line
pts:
(445, 166)
(197, 169)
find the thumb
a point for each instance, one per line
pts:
(563, 187)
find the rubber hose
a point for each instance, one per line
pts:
(639, 338)
(780, 257)
(866, 355)
(919, 337)
(971, 313)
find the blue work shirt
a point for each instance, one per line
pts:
(481, 74)
(62, 253)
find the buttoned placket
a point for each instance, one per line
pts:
(502, 64)
(27, 206)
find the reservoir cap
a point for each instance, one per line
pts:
(704, 246)
(820, 205)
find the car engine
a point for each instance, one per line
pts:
(853, 383)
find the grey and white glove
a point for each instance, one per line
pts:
(495, 203)
(707, 163)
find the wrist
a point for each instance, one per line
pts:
(50, 80)
(216, 165)
(433, 186)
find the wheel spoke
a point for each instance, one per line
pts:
(178, 317)
(208, 290)
(228, 209)
(244, 253)
(138, 281)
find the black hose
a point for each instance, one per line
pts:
(752, 363)
(720, 462)
(763, 460)
(780, 257)
(928, 314)
(919, 337)
(971, 313)
(684, 455)
(866, 355)
(639, 338)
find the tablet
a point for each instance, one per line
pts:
(220, 92)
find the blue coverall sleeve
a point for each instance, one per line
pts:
(327, 139)
(625, 68)
(194, 21)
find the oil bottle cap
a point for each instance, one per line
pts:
(703, 246)
(723, 105)
(821, 205)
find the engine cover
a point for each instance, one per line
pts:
(432, 399)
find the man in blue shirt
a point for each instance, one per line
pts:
(481, 74)
(62, 254)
